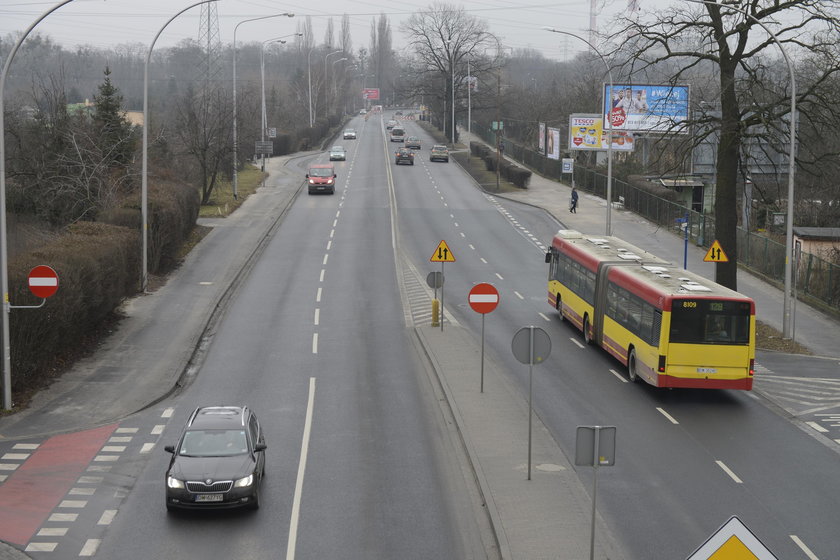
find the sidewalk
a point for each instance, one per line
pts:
(814, 329)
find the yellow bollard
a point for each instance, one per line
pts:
(435, 313)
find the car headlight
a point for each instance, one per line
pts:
(329, 181)
(173, 482)
(244, 482)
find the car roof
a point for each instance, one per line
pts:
(322, 166)
(439, 147)
(337, 148)
(218, 417)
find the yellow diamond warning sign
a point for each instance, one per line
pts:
(733, 541)
(442, 253)
(715, 253)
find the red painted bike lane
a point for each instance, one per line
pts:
(34, 490)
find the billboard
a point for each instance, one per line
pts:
(647, 108)
(542, 138)
(552, 150)
(587, 132)
(370, 93)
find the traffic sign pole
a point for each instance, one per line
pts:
(441, 298)
(483, 299)
(482, 352)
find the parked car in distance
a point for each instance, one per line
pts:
(218, 462)
(390, 124)
(350, 134)
(439, 153)
(321, 178)
(338, 153)
(404, 156)
(412, 142)
(362, 112)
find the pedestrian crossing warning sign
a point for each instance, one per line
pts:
(715, 253)
(733, 541)
(442, 253)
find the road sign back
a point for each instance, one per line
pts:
(442, 253)
(715, 253)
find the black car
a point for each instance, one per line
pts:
(219, 461)
(404, 155)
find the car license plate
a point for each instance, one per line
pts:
(209, 497)
(706, 370)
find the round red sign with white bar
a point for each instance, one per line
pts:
(484, 298)
(43, 281)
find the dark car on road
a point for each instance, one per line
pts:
(404, 156)
(219, 461)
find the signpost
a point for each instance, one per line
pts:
(483, 299)
(594, 447)
(531, 345)
(442, 255)
(435, 281)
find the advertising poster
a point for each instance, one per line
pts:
(647, 108)
(587, 132)
(542, 138)
(552, 149)
(370, 93)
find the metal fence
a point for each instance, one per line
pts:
(814, 277)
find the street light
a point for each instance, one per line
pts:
(262, 82)
(609, 121)
(235, 145)
(786, 322)
(326, 94)
(4, 249)
(326, 89)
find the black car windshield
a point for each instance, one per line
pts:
(320, 172)
(214, 443)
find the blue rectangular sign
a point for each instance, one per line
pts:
(647, 108)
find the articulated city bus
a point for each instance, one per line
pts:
(668, 326)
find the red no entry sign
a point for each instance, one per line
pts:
(484, 298)
(43, 281)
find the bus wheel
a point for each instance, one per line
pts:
(559, 307)
(631, 367)
(587, 336)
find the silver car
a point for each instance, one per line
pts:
(338, 153)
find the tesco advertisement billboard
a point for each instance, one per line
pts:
(646, 107)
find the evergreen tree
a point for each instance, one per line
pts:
(113, 132)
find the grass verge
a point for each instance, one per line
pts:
(222, 203)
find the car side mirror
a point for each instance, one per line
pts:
(335, 175)
(307, 175)
(260, 447)
(169, 448)
(548, 258)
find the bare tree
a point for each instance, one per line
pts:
(444, 37)
(754, 89)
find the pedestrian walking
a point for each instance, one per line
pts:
(573, 204)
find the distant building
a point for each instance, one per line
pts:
(823, 242)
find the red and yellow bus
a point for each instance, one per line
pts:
(668, 326)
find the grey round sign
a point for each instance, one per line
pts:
(435, 280)
(522, 344)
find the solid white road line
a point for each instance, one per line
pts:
(304, 451)
(668, 416)
(805, 549)
(620, 377)
(728, 471)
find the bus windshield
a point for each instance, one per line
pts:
(699, 321)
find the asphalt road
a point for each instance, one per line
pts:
(316, 340)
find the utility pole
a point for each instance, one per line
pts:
(498, 125)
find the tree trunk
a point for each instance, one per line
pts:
(726, 207)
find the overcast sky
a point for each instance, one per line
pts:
(105, 23)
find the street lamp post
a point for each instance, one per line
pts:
(326, 93)
(609, 128)
(144, 195)
(4, 249)
(469, 96)
(786, 319)
(326, 89)
(235, 145)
